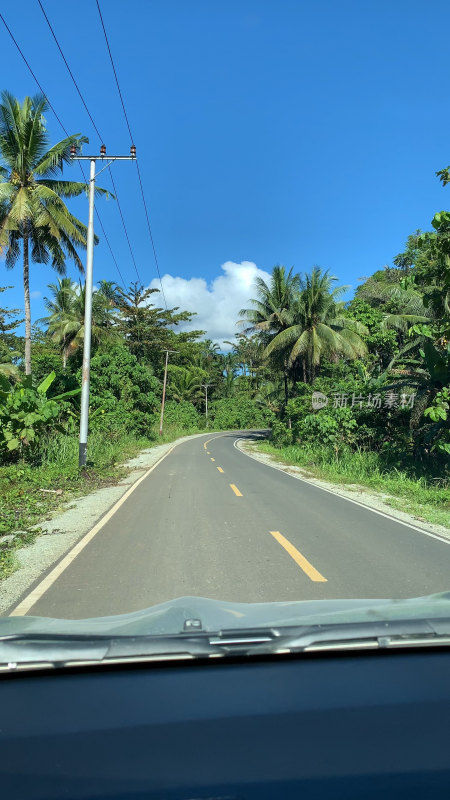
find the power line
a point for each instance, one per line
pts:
(124, 226)
(65, 131)
(97, 132)
(147, 216)
(114, 70)
(33, 74)
(68, 69)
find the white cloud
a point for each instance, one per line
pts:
(217, 304)
(35, 295)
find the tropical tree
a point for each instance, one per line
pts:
(147, 330)
(185, 384)
(271, 312)
(8, 340)
(319, 326)
(65, 320)
(34, 219)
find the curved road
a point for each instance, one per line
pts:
(211, 521)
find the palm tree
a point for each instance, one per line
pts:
(184, 384)
(60, 311)
(34, 219)
(65, 322)
(318, 326)
(272, 309)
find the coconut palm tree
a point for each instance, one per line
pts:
(34, 219)
(60, 312)
(271, 312)
(65, 321)
(318, 326)
(184, 384)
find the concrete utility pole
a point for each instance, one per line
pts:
(205, 386)
(164, 389)
(84, 417)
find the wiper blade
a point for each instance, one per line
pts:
(357, 636)
(18, 651)
(34, 650)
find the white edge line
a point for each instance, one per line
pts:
(32, 598)
(336, 494)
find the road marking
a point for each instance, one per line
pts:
(302, 562)
(437, 536)
(204, 444)
(235, 490)
(213, 459)
(220, 469)
(31, 599)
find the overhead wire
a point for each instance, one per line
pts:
(147, 215)
(98, 134)
(51, 106)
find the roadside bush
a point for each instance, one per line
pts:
(240, 412)
(124, 394)
(182, 415)
(336, 428)
(26, 415)
(281, 434)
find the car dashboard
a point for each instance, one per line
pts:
(334, 725)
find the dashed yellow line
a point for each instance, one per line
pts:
(213, 459)
(204, 444)
(208, 452)
(302, 562)
(235, 490)
(220, 469)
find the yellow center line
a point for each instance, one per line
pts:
(208, 452)
(235, 490)
(213, 459)
(302, 562)
(205, 445)
(220, 469)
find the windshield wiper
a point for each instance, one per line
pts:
(364, 635)
(34, 650)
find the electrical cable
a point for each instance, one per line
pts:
(97, 132)
(65, 132)
(147, 215)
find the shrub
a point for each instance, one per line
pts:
(281, 434)
(124, 391)
(181, 415)
(240, 412)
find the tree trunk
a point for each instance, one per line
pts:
(286, 388)
(26, 291)
(304, 370)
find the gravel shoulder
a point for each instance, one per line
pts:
(58, 535)
(356, 493)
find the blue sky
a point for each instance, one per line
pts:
(268, 131)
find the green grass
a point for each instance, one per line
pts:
(424, 498)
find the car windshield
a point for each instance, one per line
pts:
(224, 329)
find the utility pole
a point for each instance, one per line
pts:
(164, 389)
(85, 380)
(205, 386)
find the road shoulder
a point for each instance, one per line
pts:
(60, 534)
(356, 494)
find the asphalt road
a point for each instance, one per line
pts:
(210, 521)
